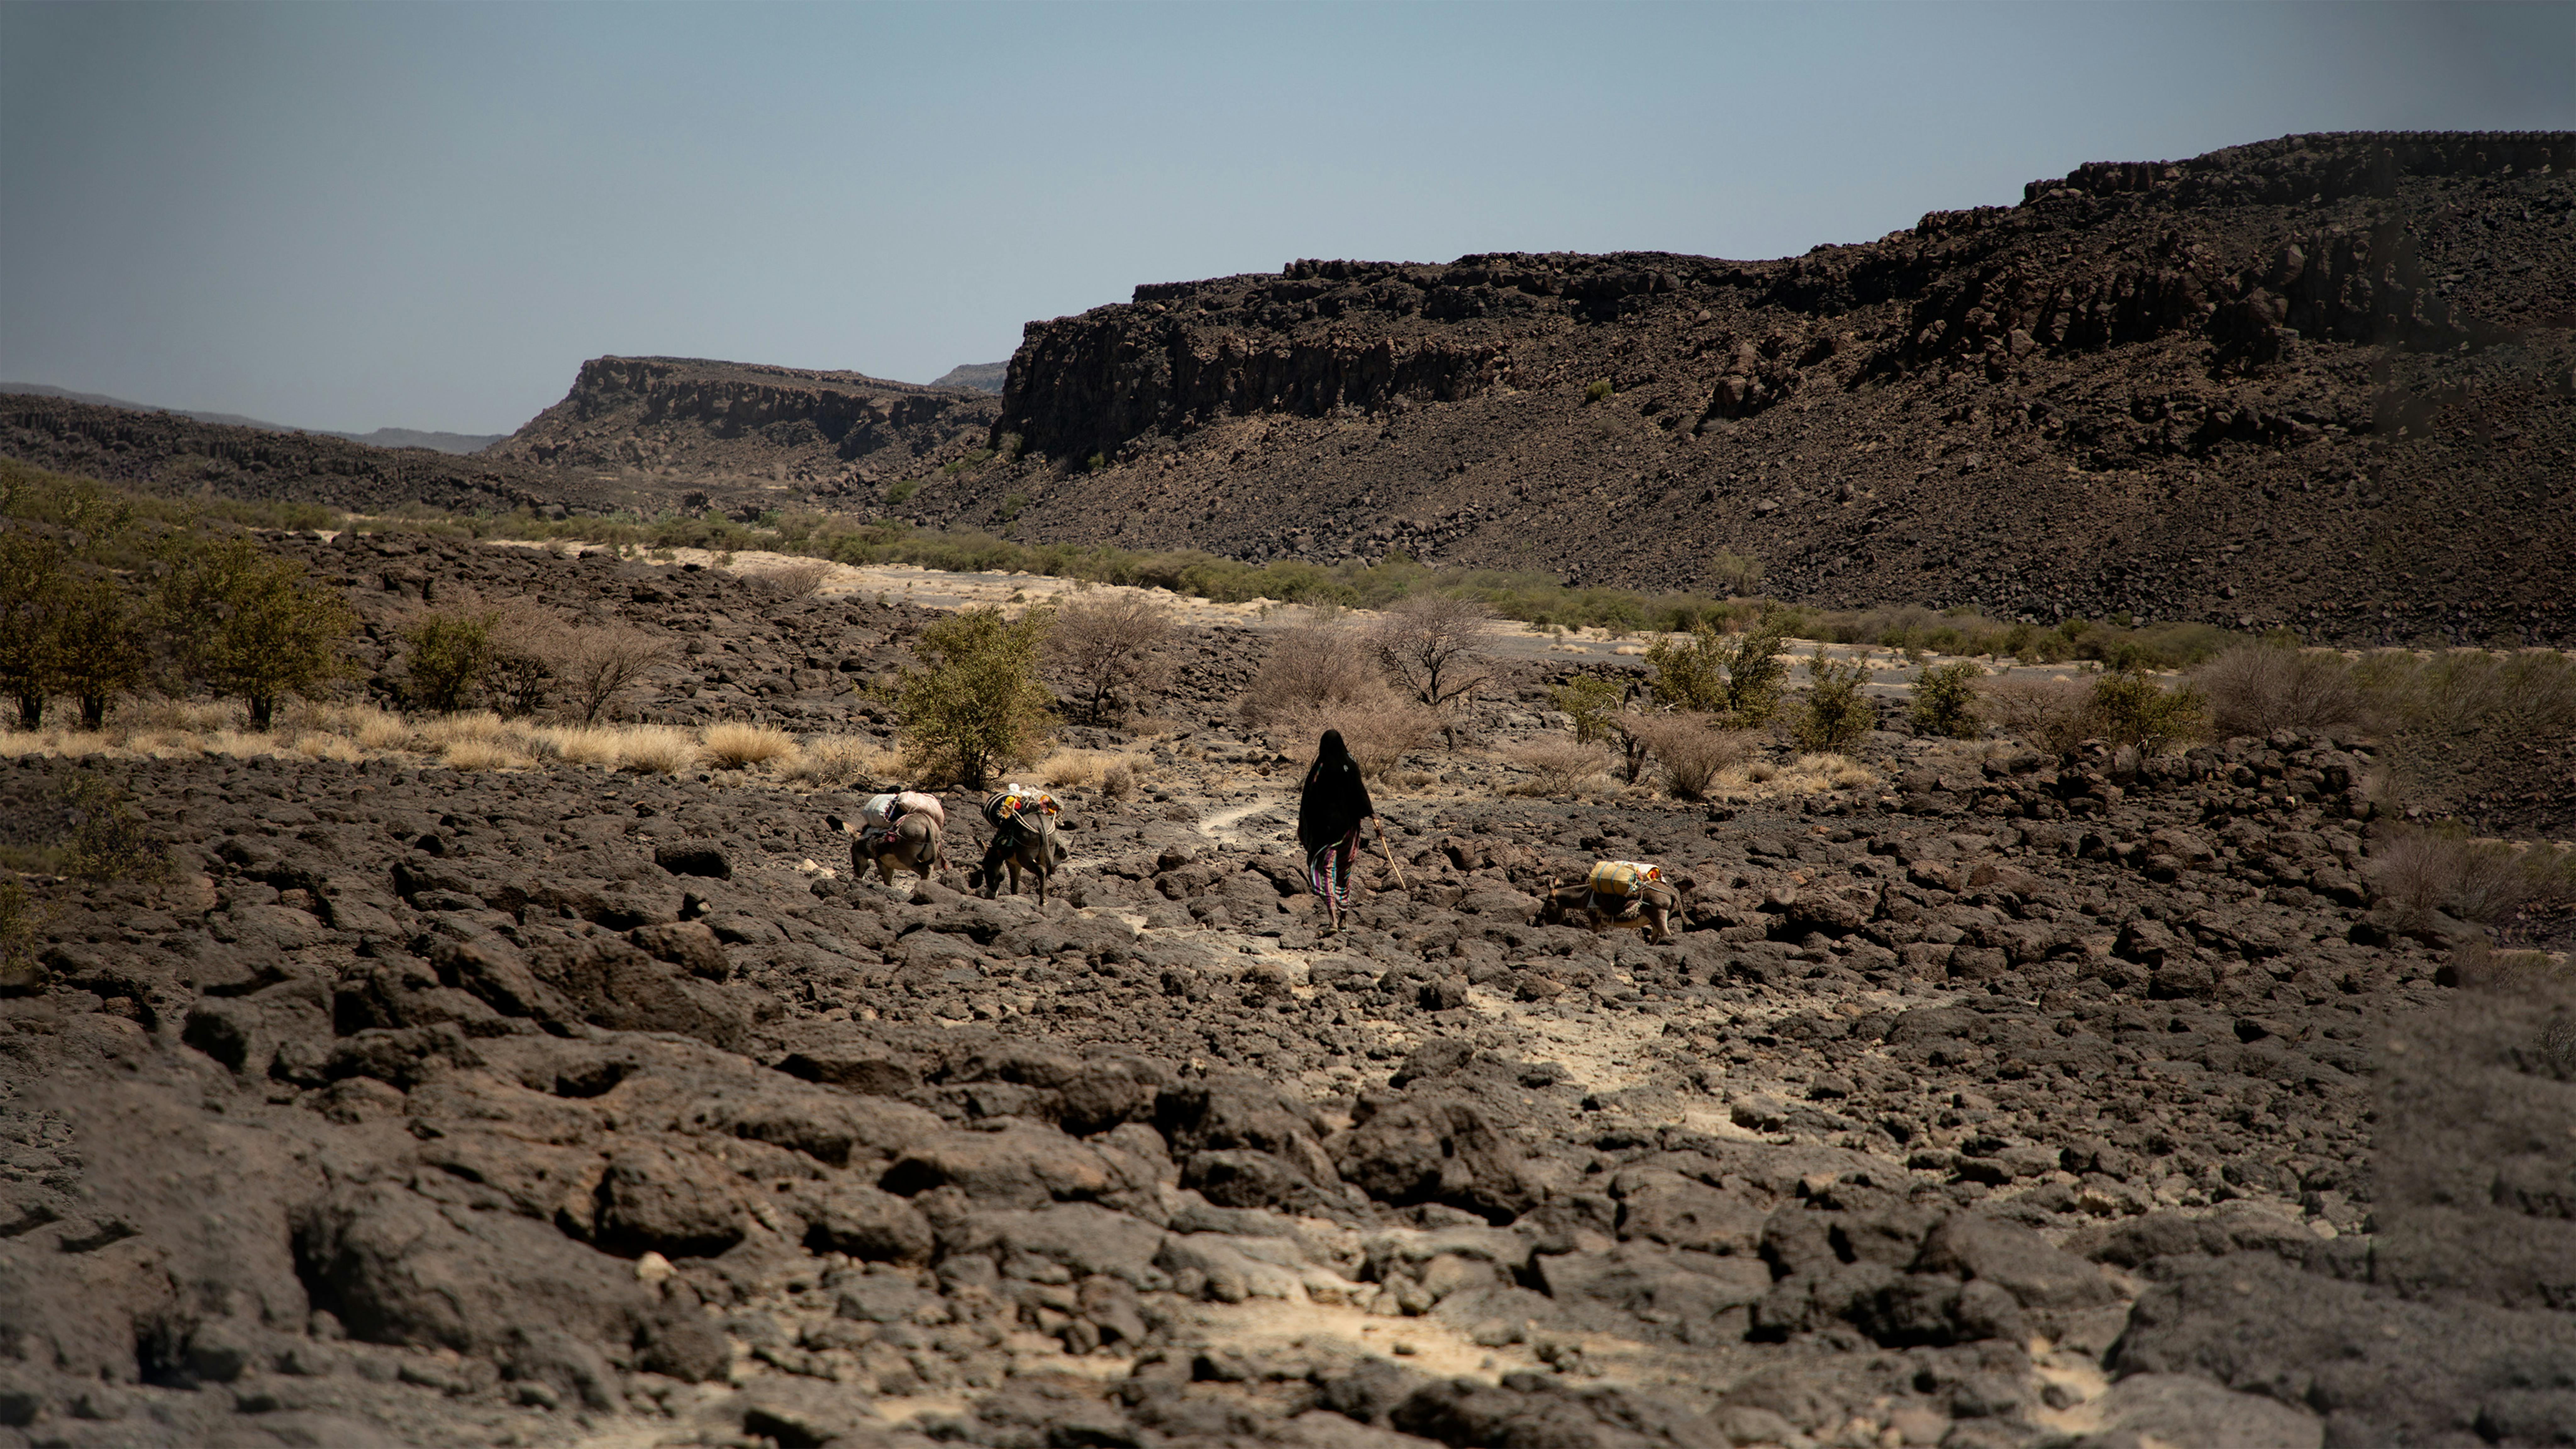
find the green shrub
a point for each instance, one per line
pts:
(903, 490)
(1740, 573)
(32, 567)
(2133, 711)
(108, 840)
(1596, 391)
(1594, 704)
(20, 920)
(65, 627)
(449, 655)
(1836, 717)
(1945, 700)
(979, 705)
(250, 624)
(1737, 681)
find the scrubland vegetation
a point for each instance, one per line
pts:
(121, 603)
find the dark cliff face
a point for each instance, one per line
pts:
(685, 418)
(2322, 381)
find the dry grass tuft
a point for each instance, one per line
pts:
(1071, 769)
(2484, 881)
(1692, 750)
(734, 744)
(181, 716)
(1557, 766)
(2255, 689)
(799, 580)
(2481, 967)
(484, 754)
(1806, 775)
(1837, 772)
(655, 749)
(584, 744)
(368, 726)
(2048, 714)
(479, 726)
(318, 745)
(841, 761)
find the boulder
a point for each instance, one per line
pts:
(1020, 1166)
(1069, 1241)
(680, 1205)
(398, 1268)
(2188, 1409)
(843, 1215)
(688, 945)
(1405, 1150)
(693, 857)
(2014, 1258)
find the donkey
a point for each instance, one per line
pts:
(1650, 911)
(911, 842)
(1023, 821)
(1029, 845)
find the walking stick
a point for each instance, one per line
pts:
(1390, 855)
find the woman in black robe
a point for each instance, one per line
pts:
(1329, 814)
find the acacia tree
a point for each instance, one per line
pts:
(98, 650)
(979, 704)
(1432, 646)
(598, 666)
(31, 580)
(251, 624)
(1105, 646)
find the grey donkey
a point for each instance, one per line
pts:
(1027, 845)
(913, 843)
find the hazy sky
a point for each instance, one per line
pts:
(353, 216)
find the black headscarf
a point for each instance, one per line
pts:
(1335, 800)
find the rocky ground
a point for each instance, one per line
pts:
(2002, 1102)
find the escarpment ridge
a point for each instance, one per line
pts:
(2325, 381)
(728, 422)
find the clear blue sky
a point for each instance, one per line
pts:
(352, 216)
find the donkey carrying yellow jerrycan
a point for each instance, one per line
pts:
(1023, 821)
(1619, 895)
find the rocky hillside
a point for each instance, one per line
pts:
(768, 433)
(171, 453)
(436, 442)
(2325, 381)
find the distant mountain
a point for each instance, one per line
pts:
(380, 438)
(415, 438)
(981, 376)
